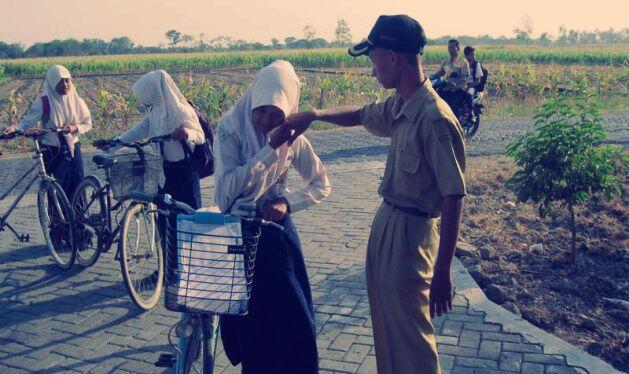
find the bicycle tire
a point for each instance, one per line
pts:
(88, 255)
(58, 230)
(144, 300)
(201, 347)
(475, 126)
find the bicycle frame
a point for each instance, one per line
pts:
(111, 233)
(40, 169)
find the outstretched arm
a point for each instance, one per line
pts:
(344, 116)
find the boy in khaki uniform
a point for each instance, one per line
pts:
(408, 264)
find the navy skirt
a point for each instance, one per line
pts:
(182, 183)
(68, 171)
(278, 335)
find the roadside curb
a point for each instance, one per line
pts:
(467, 287)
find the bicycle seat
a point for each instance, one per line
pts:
(103, 160)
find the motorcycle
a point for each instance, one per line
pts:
(468, 115)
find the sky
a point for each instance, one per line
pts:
(146, 21)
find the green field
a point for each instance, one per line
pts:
(617, 55)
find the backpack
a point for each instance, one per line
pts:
(483, 79)
(203, 157)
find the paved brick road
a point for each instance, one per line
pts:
(83, 321)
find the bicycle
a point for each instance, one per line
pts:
(55, 214)
(98, 227)
(210, 260)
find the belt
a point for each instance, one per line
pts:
(412, 211)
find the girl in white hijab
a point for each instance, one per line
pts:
(60, 107)
(278, 334)
(171, 114)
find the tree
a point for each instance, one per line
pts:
(275, 43)
(186, 39)
(525, 30)
(342, 32)
(174, 36)
(544, 38)
(309, 32)
(563, 159)
(121, 45)
(289, 41)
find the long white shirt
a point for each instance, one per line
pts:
(240, 180)
(34, 115)
(173, 150)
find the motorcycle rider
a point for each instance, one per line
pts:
(456, 71)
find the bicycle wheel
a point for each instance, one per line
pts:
(201, 346)
(141, 259)
(90, 218)
(57, 222)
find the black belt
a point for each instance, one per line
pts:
(412, 211)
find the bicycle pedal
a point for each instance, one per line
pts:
(166, 360)
(25, 238)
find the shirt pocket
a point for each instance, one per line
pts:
(408, 162)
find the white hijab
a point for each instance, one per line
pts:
(64, 109)
(276, 84)
(169, 108)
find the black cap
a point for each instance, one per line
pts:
(398, 33)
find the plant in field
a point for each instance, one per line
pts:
(106, 106)
(14, 108)
(126, 108)
(563, 159)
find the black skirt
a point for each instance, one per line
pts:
(278, 335)
(67, 170)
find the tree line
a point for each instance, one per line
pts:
(181, 42)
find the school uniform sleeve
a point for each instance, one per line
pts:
(85, 123)
(377, 118)
(479, 71)
(32, 116)
(441, 71)
(139, 131)
(232, 178)
(445, 155)
(195, 133)
(312, 171)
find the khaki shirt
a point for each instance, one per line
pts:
(426, 158)
(461, 67)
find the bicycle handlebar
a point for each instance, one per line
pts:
(32, 133)
(117, 142)
(166, 201)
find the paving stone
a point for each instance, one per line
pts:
(470, 339)
(544, 359)
(510, 361)
(529, 368)
(476, 362)
(521, 347)
(489, 349)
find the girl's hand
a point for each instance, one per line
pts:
(180, 134)
(276, 210)
(71, 128)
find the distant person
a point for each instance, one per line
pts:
(456, 71)
(408, 263)
(60, 107)
(278, 335)
(476, 83)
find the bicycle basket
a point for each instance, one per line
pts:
(210, 262)
(138, 171)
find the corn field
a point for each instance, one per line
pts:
(323, 58)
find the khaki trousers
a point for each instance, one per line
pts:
(400, 258)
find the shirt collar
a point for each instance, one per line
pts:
(411, 107)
